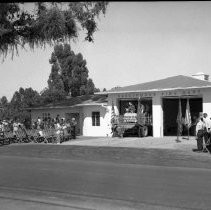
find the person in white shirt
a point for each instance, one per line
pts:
(208, 127)
(58, 132)
(1, 129)
(15, 128)
(200, 127)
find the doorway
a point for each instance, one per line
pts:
(69, 116)
(170, 111)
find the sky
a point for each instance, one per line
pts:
(136, 42)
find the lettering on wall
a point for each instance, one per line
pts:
(136, 95)
(162, 93)
(181, 92)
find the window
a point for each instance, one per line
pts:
(95, 118)
(45, 115)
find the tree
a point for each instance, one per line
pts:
(55, 80)
(20, 100)
(115, 88)
(4, 107)
(69, 73)
(51, 95)
(4, 101)
(48, 24)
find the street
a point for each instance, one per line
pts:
(53, 183)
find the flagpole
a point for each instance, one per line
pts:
(188, 133)
(185, 113)
(177, 133)
(178, 127)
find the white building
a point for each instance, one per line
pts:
(161, 97)
(89, 111)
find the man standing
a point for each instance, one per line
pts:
(207, 129)
(58, 133)
(73, 128)
(200, 127)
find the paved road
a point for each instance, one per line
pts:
(42, 183)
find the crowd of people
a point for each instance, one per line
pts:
(10, 125)
(63, 126)
(203, 132)
(58, 124)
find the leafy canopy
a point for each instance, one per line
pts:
(47, 24)
(69, 73)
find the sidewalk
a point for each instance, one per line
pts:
(146, 142)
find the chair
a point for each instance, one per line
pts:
(48, 135)
(4, 139)
(21, 136)
(33, 135)
(207, 145)
(9, 137)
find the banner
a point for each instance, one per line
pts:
(112, 114)
(187, 115)
(179, 119)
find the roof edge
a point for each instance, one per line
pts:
(62, 107)
(158, 90)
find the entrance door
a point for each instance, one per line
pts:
(170, 111)
(77, 118)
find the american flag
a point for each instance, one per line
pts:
(187, 115)
(112, 113)
(179, 119)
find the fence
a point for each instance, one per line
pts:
(47, 135)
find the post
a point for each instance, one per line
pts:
(188, 132)
(157, 116)
(177, 133)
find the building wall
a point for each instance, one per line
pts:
(157, 116)
(105, 112)
(207, 102)
(103, 129)
(85, 120)
(157, 108)
(54, 112)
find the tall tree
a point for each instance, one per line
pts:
(20, 100)
(48, 23)
(4, 107)
(52, 95)
(4, 101)
(69, 73)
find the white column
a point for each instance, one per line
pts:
(207, 102)
(157, 116)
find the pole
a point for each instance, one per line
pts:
(177, 133)
(188, 132)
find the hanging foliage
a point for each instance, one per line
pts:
(50, 23)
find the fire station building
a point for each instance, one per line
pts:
(160, 98)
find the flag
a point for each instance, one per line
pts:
(112, 113)
(138, 111)
(187, 115)
(140, 116)
(179, 119)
